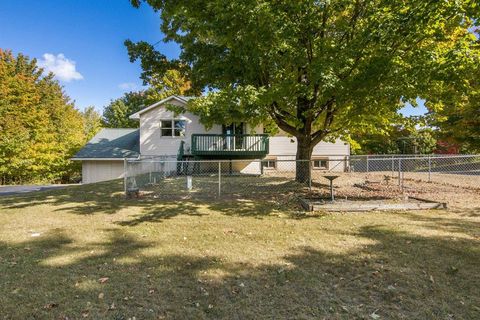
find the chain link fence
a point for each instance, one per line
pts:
(280, 176)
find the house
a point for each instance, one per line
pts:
(162, 133)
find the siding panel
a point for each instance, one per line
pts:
(96, 171)
(151, 141)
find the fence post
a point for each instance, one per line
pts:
(150, 172)
(399, 171)
(393, 167)
(219, 178)
(125, 176)
(429, 168)
(367, 164)
(310, 174)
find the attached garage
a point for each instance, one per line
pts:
(101, 170)
(103, 157)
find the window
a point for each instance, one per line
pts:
(270, 164)
(179, 128)
(320, 163)
(173, 128)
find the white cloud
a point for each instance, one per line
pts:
(63, 68)
(128, 86)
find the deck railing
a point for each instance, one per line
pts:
(229, 144)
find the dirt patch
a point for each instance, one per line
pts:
(310, 204)
(460, 195)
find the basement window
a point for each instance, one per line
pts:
(270, 164)
(320, 164)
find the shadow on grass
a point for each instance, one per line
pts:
(399, 275)
(155, 213)
(166, 202)
(103, 197)
(274, 196)
(449, 224)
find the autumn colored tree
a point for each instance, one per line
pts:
(398, 140)
(92, 122)
(318, 69)
(40, 128)
(160, 86)
(455, 111)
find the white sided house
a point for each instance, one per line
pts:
(174, 137)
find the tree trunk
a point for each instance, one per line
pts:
(304, 155)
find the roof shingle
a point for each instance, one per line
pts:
(112, 143)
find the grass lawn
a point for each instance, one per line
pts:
(85, 252)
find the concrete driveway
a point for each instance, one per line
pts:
(11, 190)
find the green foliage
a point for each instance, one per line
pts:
(170, 82)
(456, 111)
(92, 122)
(116, 114)
(40, 128)
(398, 140)
(318, 69)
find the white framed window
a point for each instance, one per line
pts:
(173, 128)
(269, 164)
(320, 163)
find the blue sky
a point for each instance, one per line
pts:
(82, 42)
(88, 33)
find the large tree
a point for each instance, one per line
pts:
(318, 69)
(39, 127)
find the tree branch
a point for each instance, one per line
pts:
(280, 121)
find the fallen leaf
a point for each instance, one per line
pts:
(452, 270)
(101, 295)
(374, 315)
(49, 306)
(103, 280)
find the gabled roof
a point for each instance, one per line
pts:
(183, 99)
(111, 144)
